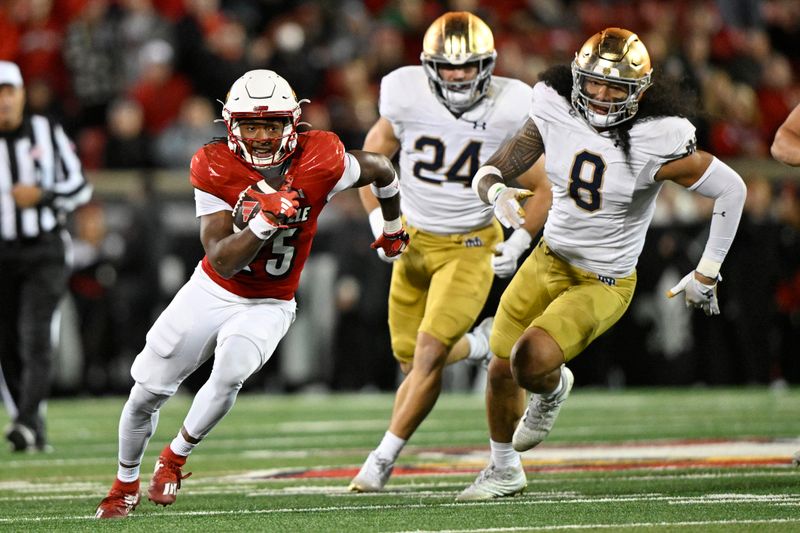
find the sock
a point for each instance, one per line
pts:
(180, 446)
(126, 486)
(390, 446)
(167, 453)
(478, 345)
(127, 475)
(504, 455)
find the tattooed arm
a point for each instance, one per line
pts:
(510, 161)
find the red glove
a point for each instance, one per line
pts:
(281, 204)
(392, 244)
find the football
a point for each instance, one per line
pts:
(247, 207)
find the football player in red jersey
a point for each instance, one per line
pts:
(258, 198)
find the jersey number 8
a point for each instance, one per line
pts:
(586, 194)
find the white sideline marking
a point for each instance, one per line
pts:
(666, 450)
(776, 499)
(573, 527)
(55, 491)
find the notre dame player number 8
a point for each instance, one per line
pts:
(586, 194)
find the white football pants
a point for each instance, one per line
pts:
(203, 319)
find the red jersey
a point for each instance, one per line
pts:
(316, 166)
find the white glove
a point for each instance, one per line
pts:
(376, 225)
(698, 295)
(507, 208)
(504, 262)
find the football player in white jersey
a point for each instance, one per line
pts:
(786, 145)
(786, 149)
(445, 118)
(610, 146)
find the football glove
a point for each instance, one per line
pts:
(282, 204)
(697, 294)
(507, 253)
(376, 225)
(507, 207)
(391, 244)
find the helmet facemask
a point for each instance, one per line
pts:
(262, 94)
(458, 40)
(614, 57)
(459, 96)
(245, 147)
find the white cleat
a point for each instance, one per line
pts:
(796, 459)
(373, 474)
(540, 415)
(494, 483)
(481, 334)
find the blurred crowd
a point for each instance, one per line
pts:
(137, 85)
(137, 82)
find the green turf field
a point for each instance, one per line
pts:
(640, 460)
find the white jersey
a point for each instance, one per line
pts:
(602, 203)
(440, 153)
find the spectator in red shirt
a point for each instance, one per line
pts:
(160, 91)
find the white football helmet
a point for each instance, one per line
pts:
(616, 56)
(458, 39)
(261, 94)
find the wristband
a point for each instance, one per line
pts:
(493, 191)
(486, 169)
(708, 268)
(261, 227)
(386, 191)
(392, 226)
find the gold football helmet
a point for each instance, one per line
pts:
(617, 57)
(458, 39)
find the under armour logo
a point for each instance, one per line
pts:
(722, 214)
(476, 125)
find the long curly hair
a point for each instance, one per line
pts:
(664, 98)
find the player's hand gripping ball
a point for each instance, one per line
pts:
(262, 200)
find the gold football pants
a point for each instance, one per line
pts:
(439, 286)
(571, 304)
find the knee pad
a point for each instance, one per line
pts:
(236, 359)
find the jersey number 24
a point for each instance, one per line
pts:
(457, 173)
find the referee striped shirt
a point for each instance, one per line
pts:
(39, 153)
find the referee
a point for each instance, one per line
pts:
(40, 181)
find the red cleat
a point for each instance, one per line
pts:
(121, 500)
(167, 478)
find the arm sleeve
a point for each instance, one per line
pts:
(350, 175)
(206, 203)
(722, 183)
